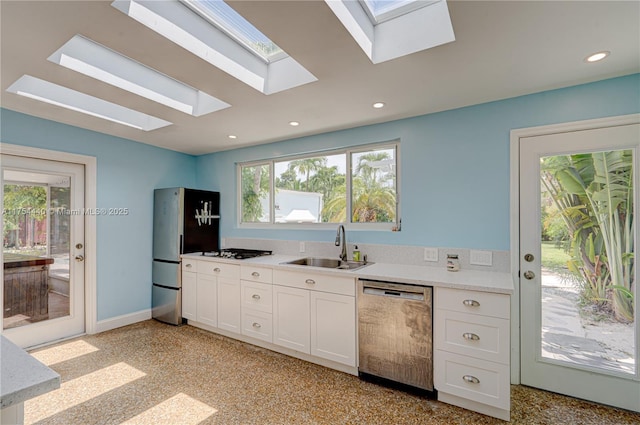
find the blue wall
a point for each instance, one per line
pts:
(454, 165)
(454, 171)
(127, 174)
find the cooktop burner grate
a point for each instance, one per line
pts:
(237, 253)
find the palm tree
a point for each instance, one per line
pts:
(306, 166)
(373, 198)
(594, 191)
(255, 186)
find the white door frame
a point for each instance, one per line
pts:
(514, 227)
(90, 200)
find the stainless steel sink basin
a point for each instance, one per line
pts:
(329, 263)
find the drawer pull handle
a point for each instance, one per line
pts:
(255, 296)
(471, 379)
(188, 266)
(257, 325)
(470, 336)
(217, 270)
(310, 281)
(471, 303)
(255, 274)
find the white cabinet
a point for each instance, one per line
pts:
(291, 318)
(211, 294)
(189, 295)
(471, 350)
(207, 301)
(229, 304)
(315, 314)
(256, 301)
(333, 327)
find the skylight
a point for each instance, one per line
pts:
(383, 10)
(99, 62)
(64, 97)
(177, 22)
(232, 23)
(389, 29)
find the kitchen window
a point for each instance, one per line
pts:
(357, 186)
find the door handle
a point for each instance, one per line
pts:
(529, 275)
(79, 258)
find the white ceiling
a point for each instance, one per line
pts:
(502, 49)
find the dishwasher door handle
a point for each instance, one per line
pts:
(393, 293)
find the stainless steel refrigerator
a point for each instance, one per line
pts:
(184, 221)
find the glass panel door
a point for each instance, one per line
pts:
(43, 273)
(578, 303)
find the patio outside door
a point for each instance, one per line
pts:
(578, 280)
(43, 250)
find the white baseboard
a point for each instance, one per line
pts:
(124, 320)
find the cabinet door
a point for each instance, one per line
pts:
(189, 295)
(291, 326)
(333, 327)
(207, 296)
(229, 304)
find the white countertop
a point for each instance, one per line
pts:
(22, 376)
(485, 281)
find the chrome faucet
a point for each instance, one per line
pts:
(341, 238)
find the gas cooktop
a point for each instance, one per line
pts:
(237, 253)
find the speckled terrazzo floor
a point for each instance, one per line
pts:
(151, 373)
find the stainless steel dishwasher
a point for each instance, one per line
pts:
(395, 336)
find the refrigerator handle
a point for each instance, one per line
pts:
(181, 244)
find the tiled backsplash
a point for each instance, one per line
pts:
(398, 254)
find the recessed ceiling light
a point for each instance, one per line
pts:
(294, 123)
(597, 56)
(378, 105)
(232, 136)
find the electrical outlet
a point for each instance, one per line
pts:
(302, 247)
(481, 258)
(431, 254)
(223, 242)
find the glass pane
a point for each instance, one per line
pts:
(587, 258)
(231, 22)
(373, 188)
(311, 190)
(255, 194)
(36, 247)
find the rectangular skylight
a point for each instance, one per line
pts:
(178, 22)
(389, 29)
(382, 10)
(99, 62)
(64, 97)
(231, 22)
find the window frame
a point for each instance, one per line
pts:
(348, 152)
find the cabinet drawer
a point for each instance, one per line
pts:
(232, 271)
(472, 335)
(317, 282)
(473, 379)
(189, 265)
(473, 302)
(256, 274)
(257, 296)
(257, 324)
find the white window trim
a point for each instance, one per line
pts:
(348, 151)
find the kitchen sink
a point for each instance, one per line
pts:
(328, 263)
